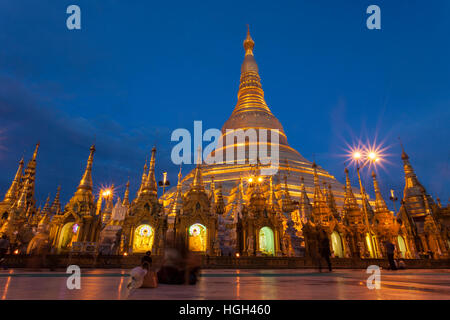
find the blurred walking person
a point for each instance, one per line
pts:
(390, 250)
(324, 250)
(4, 247)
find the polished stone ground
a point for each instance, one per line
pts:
(232, 284)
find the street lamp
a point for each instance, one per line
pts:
(370, 157)
(393, 199)
(255, 179)
(105, 193)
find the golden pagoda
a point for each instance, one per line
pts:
(252, 112)
(232, 208)
(78, 222)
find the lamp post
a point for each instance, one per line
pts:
(393, 199)
(371, 157)
(105, 193)
(357, 157)
(164, 182)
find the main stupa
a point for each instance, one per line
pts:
(251, 111)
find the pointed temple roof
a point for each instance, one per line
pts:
(252, 112)
(350, 200)
(14, 189)
(56, 205)
(126, 196)
(151, 180)
(86, 180)
(415, 198)
(177, 204)
(380, 204)
(30, 176)
(143, 179)
(84, 194)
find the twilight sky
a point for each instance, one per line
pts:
(137, 70)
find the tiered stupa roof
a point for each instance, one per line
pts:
(251, 112)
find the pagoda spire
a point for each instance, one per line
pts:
(249, 44)
(380, 204)
(126, 196)
(325, 192)
(30, 175)
(272, 195)
(21, 203)
(321, 211)
(318, 196)
(177, 204)
(303, 197)
(305, 207)
(213, 192)
(236, 201)
(151, 180)
(250, 95)
(56, 205)
(411, 180)
(82, 201)
(13, 191)
(415, 198)
(286, 201)
(143, 179)
(197, 183)
(332, 203)
(86, 180)
(220, 203)
(47, 204)
(349, 200)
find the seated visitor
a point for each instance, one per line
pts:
(147, 258)
(137, 276)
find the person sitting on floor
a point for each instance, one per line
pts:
(147, 258)
(137, 276)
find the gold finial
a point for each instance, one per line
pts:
(35, 151)
(316, 177)
(248, 43)
(380, 204)
(22, 202)
(86, 180)
(56, 204)
(151, 180)
(126, 197)
(404, 155)
(179, 175)
(198, 179)
(11, 195)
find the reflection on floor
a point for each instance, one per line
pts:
(232, 284)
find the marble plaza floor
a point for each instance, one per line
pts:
(231, 284)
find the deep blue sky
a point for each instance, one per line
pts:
(140, 69)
